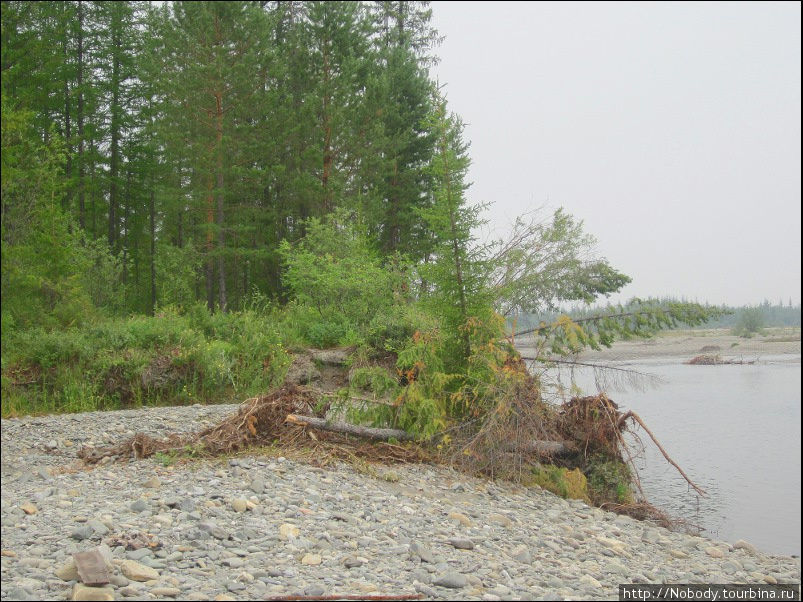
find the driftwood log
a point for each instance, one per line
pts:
(540, 448)
(544, 448)
(375, 434)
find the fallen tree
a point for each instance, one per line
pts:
(367, 432)
(509, 439)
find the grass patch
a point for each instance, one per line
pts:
(561, 481)
(170, 359)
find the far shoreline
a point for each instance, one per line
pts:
(686, 344)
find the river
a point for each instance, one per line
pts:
(735, 430)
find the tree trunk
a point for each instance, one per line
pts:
(327, 135)
(366, 432)
(114, 160)
(152, 212)
(126, 211)
(221, 242)
(65, 203)
(80, 118)
(210, 266)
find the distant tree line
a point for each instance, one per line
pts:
(764, 314)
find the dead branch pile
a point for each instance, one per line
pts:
(715, 360)
(261, 421)
(593, 423)
(515, 433)
(596, 425)
(504, 441)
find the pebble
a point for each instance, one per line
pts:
(311, 559)
(351, 562)
(288, 531)
(743, 545)
(462, 544)
(422, 552)
(139, 506)
(152, 483)
(451, 580)
(83, 592)
(461, 518)
(138, 572)
(260, 527)
(166, 592)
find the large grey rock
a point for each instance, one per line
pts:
(452, 580)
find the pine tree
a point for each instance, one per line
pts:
(401, 92)
(455, 278)
(214, 71)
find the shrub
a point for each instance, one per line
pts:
(392, 329)
(750, 321)
(170, 358)
(323, 334)
(560, 481)
(609, 481)
(334, 271)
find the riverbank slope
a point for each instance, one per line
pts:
(261, 526)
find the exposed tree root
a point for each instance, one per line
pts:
(636, 418)
(261, 421)
(504, 441)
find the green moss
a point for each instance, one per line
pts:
(560, 481)
(609, 481)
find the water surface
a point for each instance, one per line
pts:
(735, 430)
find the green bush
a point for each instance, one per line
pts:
(609, 481)
(334, 271)
(393, 329)
(323, 334)
(47, 349)
(167, 359)
(749, 322)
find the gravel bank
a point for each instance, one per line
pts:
(262, 527)
(777, 343)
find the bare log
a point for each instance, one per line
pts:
(376, 434)
(544, 448)
(540, 448)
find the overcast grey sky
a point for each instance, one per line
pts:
(672, 130)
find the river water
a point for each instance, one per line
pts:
(735, 430)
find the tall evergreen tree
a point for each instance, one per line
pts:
(213, 73)
(401, 93)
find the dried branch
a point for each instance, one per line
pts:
(636, 418)
(376, 434)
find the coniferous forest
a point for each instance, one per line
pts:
(192, 190)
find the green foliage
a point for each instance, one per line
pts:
(323, 334)
(48, 349)
(42, 257)
(609, 481)
(749, 322)
(374, 379)
(393, 329)
(176, 269)
(544, 263)
(559, 480)
(334, 271)
(170, 358)
(565, 335)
